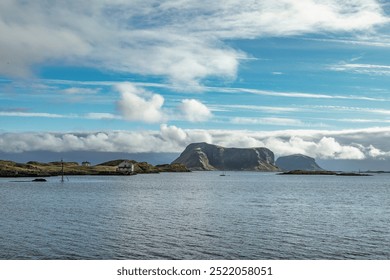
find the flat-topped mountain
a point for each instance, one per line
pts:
(204, 156)
(297, 162)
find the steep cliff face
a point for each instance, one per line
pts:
(203, 156)
(297, 162)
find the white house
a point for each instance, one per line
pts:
(125, 167)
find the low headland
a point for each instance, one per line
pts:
(322, 172)
(38, 169)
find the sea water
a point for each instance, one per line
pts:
(197, 215)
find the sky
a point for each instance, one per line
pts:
(309, 77)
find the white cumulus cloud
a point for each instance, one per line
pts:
(137, 104)
(194, 110)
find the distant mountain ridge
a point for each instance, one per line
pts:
(297, 162)
(204, 156)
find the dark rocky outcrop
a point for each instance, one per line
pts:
(297, 162)
(204, 156)
(39, 180)
(175, 167)
(309, 172)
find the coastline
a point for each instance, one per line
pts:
(323, 172)
(10, 169)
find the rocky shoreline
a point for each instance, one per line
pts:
(323, 172)
(12, 169)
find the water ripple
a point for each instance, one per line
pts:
(196, 216)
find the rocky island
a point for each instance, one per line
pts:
(204, 156)
(298, 162)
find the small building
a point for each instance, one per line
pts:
(125, 167)
(85, 163)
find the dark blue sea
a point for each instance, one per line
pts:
(198, 215)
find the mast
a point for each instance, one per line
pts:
(62, 171)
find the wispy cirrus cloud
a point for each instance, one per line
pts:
(79, 90)
(378, 111)
(90, 116)
(102, 116)
(13, 109)
(34, 115)
(376, 40)
(273, 109)
(360, 120)
(267, 121)
(369, 69)
(295, 94)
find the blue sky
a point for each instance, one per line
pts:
(306, 77)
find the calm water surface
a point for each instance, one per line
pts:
(198, 215)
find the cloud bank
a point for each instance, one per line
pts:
(321, 144)
(183, 41)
